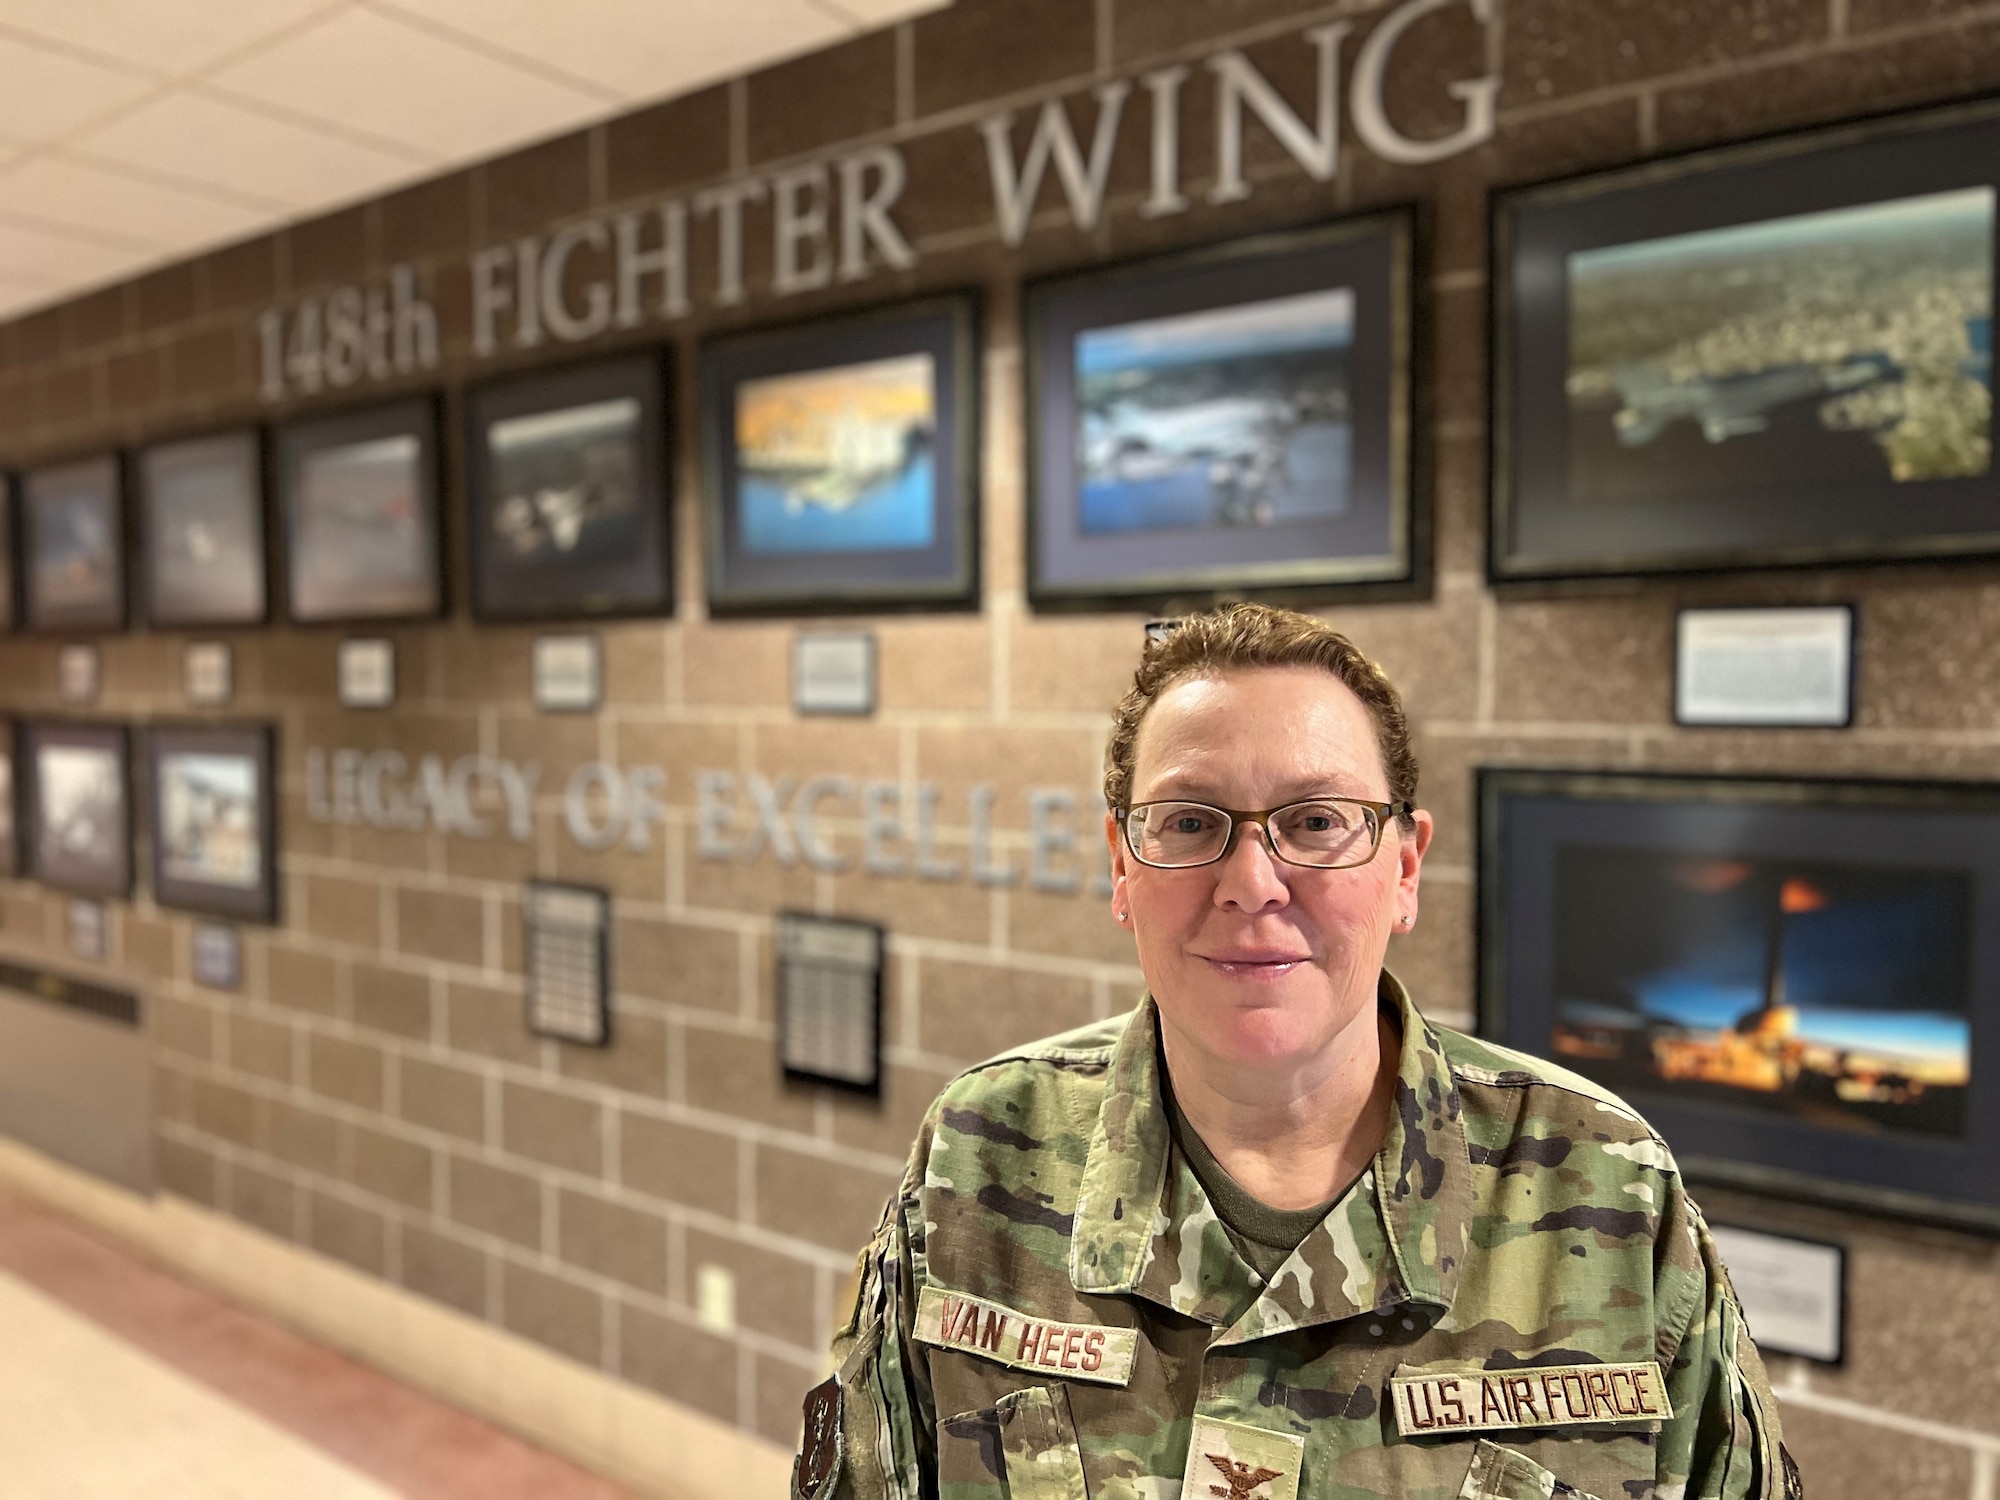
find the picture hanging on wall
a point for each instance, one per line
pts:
(73, 541)
(10, 828)
(1233, 418)
(10, 581)
(1797, 982)
(201, 517)
(214, 842)
(567, 477)
(1779, 353)
(78, 807)
(360, 501)
(841, 462)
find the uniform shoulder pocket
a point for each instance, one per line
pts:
(1023, 1447)
(1499, 1473)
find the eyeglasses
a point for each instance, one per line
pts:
(1325, 833)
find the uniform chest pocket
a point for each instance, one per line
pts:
(1499, 1473)
(1023, 1447)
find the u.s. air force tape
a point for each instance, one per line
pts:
(1074, 1351)
(1442, 1401)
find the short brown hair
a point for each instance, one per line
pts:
(1256, 635)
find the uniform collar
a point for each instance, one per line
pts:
(1144, 1227)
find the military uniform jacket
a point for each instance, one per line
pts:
(1517, 1299)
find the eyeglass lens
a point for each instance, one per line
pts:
(1324, 834)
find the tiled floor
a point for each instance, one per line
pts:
(118, 1380)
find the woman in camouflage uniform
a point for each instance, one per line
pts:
(1274, 1235)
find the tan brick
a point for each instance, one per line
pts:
(264, 1048)
(186, 1171)
(327, 248)
(888, 1125)
(434, 217)
(618, 1240)
(635, 664)
(441, 925)
(1073, 664)
(681, 141)
(263, 1199)
(561, 1314)
(442, 1097)
(678, 1360)
(955, 910)
(348, 1232)
(774, 1292)
(683, 751)
(392, 1166)
(737, 663)
(303, 1137)
(344, 1070)
(676, 962)
(443, 1268)
(559, 1130)
(1435, 960)
(1847, 1460)
(149, 944)
(1077, 926)
(781, 1396)
(681, 1164)
(181, 1027)
(496, 1200)
(634, 1061)
(491, 1022)
(635, 874)
(346, 911)
(971, 1011)
(526, 190)
(759, 885)
(739, 1075)
(396, 1002)
(972, 50)
(1601, 661)
(1013, 762)
(221, 1109)
(828, 1203)
(830, 95)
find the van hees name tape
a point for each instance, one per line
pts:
(1558, 1396)
(1074, 1351)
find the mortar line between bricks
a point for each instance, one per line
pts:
(1875, 1416)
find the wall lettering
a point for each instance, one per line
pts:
(350, 334)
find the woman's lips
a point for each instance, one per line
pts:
(1254, 964)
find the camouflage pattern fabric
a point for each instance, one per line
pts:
(1051, 1310)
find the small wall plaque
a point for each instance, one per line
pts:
(569, 674)
(567, 929)
(78, 672)
(1765, 668)
(218, 956)
(1793, 1292)
(830, 1001)
(89, 929)
(834, 673)
(206, 673)
(367, 673)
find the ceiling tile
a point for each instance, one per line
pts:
(45, 93)
(37, 252)
(158, 37)
(91, 197)
(642, 49)
(207, 140)
(372, 73)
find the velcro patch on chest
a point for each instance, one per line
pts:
(1432, 1403)
(1074, 1351)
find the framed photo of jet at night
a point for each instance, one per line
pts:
(1767, 355)
(567, 482)
(840, 462)
(1238, 417)
(1796, 981)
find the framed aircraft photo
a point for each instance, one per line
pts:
(567, 483)
(1232, 418)
(840, 462)
(78, 805)
(73, 545)
(1770, 354)
(359, 492)
(201, 520)
(1796, 981)
(214, 844)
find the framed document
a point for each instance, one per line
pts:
(833, 672)
(367, 673)
(1798, 981)
(1773, 353)
(1793, 1291)
(1231, 418)
(567, 481)
(841, 462)
(830, 1001)
(201, 524)
(360, 502)
(568, 932)
(568, 673)
(1766, 668)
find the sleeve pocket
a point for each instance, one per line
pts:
(1499, 1473)
(1022, 1447)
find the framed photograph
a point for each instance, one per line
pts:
(10, 574)
(1232, 418)
(566, 474)
(841, 462)
(1771, 354)
(214, 830)
(78, 807)
(201, 524)
(1797, 982)
(73, 546)
(1765, 668)
(360, 501)
(10, 801)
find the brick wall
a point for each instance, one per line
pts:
(372, 1092)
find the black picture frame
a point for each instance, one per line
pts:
(406, 578)
(1352, 278)
(566, 962)
(1654, 413)
(1695, 944)
(1850, 685)
(551, 565)
(72, 552)
(830, 973)
(204, 532)
(10, 799)
(203, 778)
(90, 791)
(775, 549)
(10, 554)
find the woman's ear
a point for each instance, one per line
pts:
(1121, 903)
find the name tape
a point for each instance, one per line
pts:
(1559, 1396)
(1078, 1351)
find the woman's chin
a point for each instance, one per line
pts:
(1264, 1023)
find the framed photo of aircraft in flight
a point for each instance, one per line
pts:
(1797, 981)
(1236, 417)
(1772, 354)
(840, 462)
